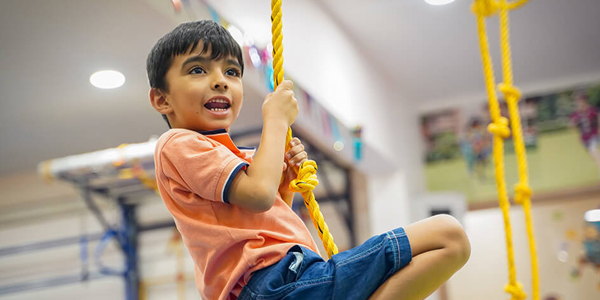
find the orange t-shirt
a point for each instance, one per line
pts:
(227, 243)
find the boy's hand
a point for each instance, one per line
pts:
(294, 158)
(281, 104)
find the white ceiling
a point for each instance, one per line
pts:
(432, 52)
(48, 49)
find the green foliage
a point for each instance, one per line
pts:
(445, 147)
(594, 95)
(564, 105)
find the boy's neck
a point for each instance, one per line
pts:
(200, 129)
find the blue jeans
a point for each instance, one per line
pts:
(352, 274)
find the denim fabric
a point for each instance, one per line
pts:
(352, 274)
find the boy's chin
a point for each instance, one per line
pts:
(217, 125)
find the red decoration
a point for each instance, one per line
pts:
(177, 5)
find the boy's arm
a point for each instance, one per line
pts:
(287, 195)
(256, 189)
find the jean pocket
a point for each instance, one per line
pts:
(281, 279)
(296, 263)
(290, 274)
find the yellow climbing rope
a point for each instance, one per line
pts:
(307, 173)
(499, 128)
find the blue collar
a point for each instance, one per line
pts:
(222, 136)
(212, 132)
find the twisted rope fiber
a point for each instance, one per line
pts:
(306, 181)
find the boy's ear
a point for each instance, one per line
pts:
(159, 101)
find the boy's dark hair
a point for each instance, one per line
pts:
(184, 39)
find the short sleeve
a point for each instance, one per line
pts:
(206, 168)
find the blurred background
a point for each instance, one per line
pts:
(392, 107)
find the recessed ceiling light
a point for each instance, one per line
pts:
(107, 79)
(439, 2)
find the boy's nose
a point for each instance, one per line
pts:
(219, 82)
(221, 85)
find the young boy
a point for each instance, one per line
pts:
(585, 118)
(234, 213)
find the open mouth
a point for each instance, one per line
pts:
(217, 105)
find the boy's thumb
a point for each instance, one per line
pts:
(285, 85)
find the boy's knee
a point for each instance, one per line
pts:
(454, 238)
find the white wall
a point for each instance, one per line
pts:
(486, 273)
(324, 60)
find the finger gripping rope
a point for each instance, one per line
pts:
(307, 174)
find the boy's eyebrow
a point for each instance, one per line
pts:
(204, 60)
(195, 58)
(233, 62)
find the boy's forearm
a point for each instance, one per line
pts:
(266, 165)
(287, 195)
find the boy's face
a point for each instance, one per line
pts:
(582, 104)
(204, 94)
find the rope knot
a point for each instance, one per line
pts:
(500, 128)
(516, 290)
(307, 178)
(522, 193)
(509, 91)
(484, 8)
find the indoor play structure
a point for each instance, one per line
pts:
(125, 176)
(127, 172)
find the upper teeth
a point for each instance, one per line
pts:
(219, 101)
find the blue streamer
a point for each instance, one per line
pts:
(213, 14)
(83, 256)
(108, 235)
(269, 75)
(336, 130)
(357, 149)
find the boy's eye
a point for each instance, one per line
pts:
(232, 72)
(197, 70)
